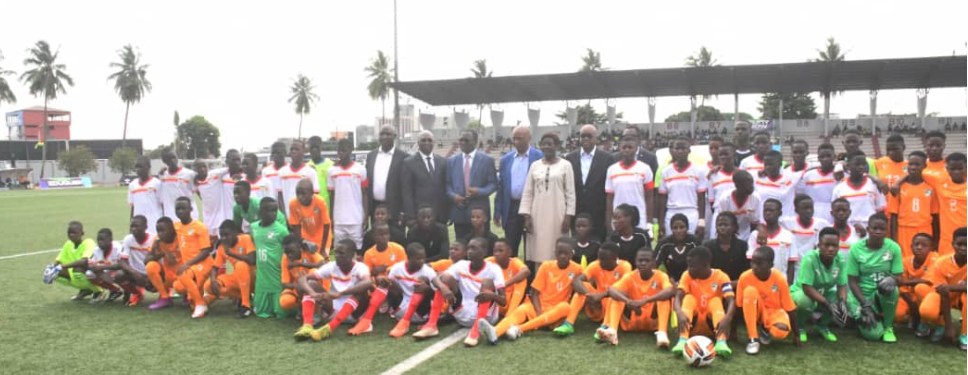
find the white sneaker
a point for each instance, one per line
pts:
(200, 311)
(487, 330)
(661, 339)
(753, 347)
(513, 333)
(608, 335)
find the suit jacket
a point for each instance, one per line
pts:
(394, 193)
(420, 188)
(502, 202)
(482, 176)
(590, 194)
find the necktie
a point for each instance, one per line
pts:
(467, 172)
(430, 166)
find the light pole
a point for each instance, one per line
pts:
(396, 74)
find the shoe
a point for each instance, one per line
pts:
(722, 349)
(661, 339)
(135, 300)
(596, 335)
(470, 342)
(160, 304)
(938, 334)
(564, 330)
(679, 346)
(827, 334)
(400, 329)
(96, 298)
(607, 335)
(114, 296)
(924, 330)
(426, 332)
(244, 312)
(765, 337)
(803, 335)
(321, 334)
(963, 342)
(361, 327)
(487, 330)
(752, 348)
(304, 333)
(889, 335)
(513, 333)
(200, 311)
(81, 294)
(126, 297)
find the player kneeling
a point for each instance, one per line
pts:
(821, 286)
(131, 275)
(948, 278)
(641, 301)
(238, 251)
(349, 280)
(702, 295)
(298, 261)
(767, 305)
(69, 265)
(103, 265)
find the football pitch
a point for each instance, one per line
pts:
(43, 332)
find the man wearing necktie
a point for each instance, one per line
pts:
(423, 178)
(471, 179)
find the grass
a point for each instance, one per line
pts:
(44, 332)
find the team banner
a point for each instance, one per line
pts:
(766, 125)
(65, 182)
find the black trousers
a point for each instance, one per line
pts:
(514, 228)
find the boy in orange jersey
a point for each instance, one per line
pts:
(548, 303)
(769, 308)
(297, 262)
(705, 294)
(515, 275)
(456, 253)
(890, 167)
(162, 261)
(914, 209)
(950, 191)
(196, 249)
(947, 277)
(592, 295)
(237, 250)
(915, 275)
(384, 253)
(309, 217)
(641, 301)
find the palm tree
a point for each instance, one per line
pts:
(830, 54)
(6, 95)
(46, 78)
(303, 96)
(702, 59)
(480, 71)
(380, 76)
(129, 82)
(592, 61)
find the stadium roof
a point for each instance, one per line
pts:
(863, 75)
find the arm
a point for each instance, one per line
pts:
(536, 301)
(677, 307)
(444, 290)
(578, 286)
(724, 324)
(893, 230)
(650, 206)
(490, 184)
(660, 208)
(853, 282)
(701, 229)
(326, 229)
(247, 258)
(815, 295)
(366, 207)
(791, 265)
(213, 277)
(522, 275)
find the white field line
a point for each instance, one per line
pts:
(28, 254)
(427, 353)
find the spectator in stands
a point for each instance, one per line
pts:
(836, 132)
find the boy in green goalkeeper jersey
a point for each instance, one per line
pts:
(246, 210)
(821, 285)
(73, 261)
(873, 267)
(268, 234)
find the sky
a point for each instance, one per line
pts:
(234, 65)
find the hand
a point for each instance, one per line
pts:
(448, 296)
(485, 297)
(713, 171)
(921, 281)
(636, 304)
(942, 289)
(378, 270)
(596, 297)
(832, 308)
(867, 317)
(527, 223)
(383, 281)
(700, 231)
(216, 288)
(887, 286)
(841, 318)
(861, 231)
(684, 321)
(565, 226)
(471, 192)
(182, 269)
(318, 297)
(723, 327)
(459, 201)
(497, 221)
(332, 295)
(422, 287)
(881, 186)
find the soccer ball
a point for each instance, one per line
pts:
(699, 351)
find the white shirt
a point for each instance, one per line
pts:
(146, 200)
(381, 171)
(340, 281)
(782, 244)
(865, 200)
(347, 184)
(261, 188)
(175, 185)
(683, 186)
(747, 214)
(586, 159)
(720, 183)
(227, 200)
(848, 241)
(135, 252)
(752, 164)
(427, 160)
(628, 185)
(805, 237)
(270, 172)
(210, 190)
(470, 282)
(820, 187)
(289, 178)
(100, 258)
(406, 280)
(782, 189)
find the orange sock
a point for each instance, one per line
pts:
(577, 303)
(348, 308)
(613, 316)
(516, 317)
(415, 301)
(187, 280)
(482, 309)
(751, 306)
(376, 299)
(435, 307)
(665, 310)
(308, 310)
(153, 269)
(515, 297)
(243, 274)
(559, 312)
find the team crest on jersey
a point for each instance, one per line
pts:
(655, 285)
(316, 210)
(191, 231)
(775, 289)
(393, 257)
(887, 256)
(833, 273)
(714, 285)
(616, 274)
(927, 192)
(571, 275)
(271, 235)
(241, 249)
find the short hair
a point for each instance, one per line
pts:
(629, 138)
(741, 122)
(773, 154)
(877, 216)
(700, 253)
(925, 235)
(955, 157)
(647, 251)
(920, 154)
(478, 207)
(381, 226)
(765, 251)
(472, 131)
(825, 146)
(229, 225)
(935, 134)
(140, 218)
(728, 144)
(828, 231)
(679, 217)
(716, 138)
(610, 246)
(502, 240)
(344, 142)
(348, 243)
(413, 248)
(840, 200)
(631, 211)
(638, 132)
(800, 198)
(106, 231)
(315, 138)
(379, 206)
(183, 199)
(265, 200)
(161, 220)
(729, 215)
(803, 142)
(552, 135)
(960, 232)
(895, 138)
(245, 185)
(566, 240)
(742, 173)
(249, 155)
(584, 215)
(773, 200)
(277, 144)
(763, 133)
(852, 131)
(855, 154)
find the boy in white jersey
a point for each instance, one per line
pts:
(347, 185)
(819, 183)
(683, 188)
(144, 193)
(743, 202)
(849, 234)
(228, 176)
(774, 183)
(260, 186)
(209, 188)
(277, 160)
(774, 236)
(798, 152)
(761, 145)
(292, 173)
(349, 282)
(410, 293)
(630, 181)
(862, 193)
(805, 227)
(176, 181)
(103, 264)
(720, 180)
(131, 275)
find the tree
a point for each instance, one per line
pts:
(800, 106)
(480, 71)
(129, 82)
(587, 115)
(707, 113)
(46, 78)
(743, 116)
(702, 59)
(303, 96)
(76, 161)
(831, 54)
(6, 94)
(592, 61)
(198, 138)
(380, 76)
(123, 159)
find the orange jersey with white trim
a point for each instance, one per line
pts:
(243, 246)
(716, 285)
(603, 278)
(914, 205)
(634, 287)
(774, 291)
(393, 254)
(515, 265)
(554, 284)
(291, 275)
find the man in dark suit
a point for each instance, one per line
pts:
(513, 174)
(590, 166)
(383, 166)
(471, 180)
(642, 154)
(423, 177)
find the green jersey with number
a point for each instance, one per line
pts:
(872, 265)
(252, 214)
(821, 277)
(268, 256)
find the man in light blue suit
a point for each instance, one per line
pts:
(514, 172)
(471, 180)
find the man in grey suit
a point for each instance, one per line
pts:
(383, 166)
(423, 177)
(471, 180)
(590, 167)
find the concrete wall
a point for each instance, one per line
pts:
(101, 176)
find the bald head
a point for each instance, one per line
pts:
(425, 142)
(589, 137)
(387, 136)
(521, 137)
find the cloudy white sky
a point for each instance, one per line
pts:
(233, 62)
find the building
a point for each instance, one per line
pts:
(366, 134)
(26, 124)
(408, 122)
